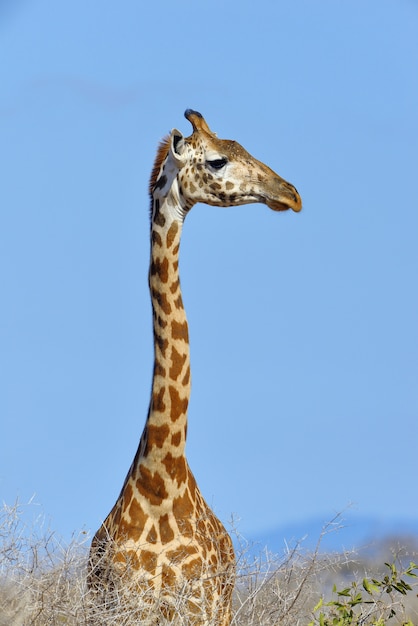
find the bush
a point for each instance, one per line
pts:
(373, 602)
(43, 582)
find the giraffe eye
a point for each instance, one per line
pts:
(218, 164)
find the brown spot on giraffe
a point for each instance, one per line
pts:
(158, 403)
(159, 370)
(161, 322)
(178, 303)
(193, 569)
(175, 286)
(149, 561)
(152, 536)
(160, 267)
(176, 439)
(186, 377)
(180, 553)
(128, 493)
(176, 467)
(151, 486)
(183, 507)
(166, 532)
(171, 235)
(159, 217)
(178, 404)
(179, 330)
(162, 344)
(168, 577)
(120, 557)
(129, 559)
(157, 435)
(137, 514)
(162, 300)
(177, 362)
(156, 239)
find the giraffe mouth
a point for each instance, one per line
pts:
(293, 202)
(282, 196)
(281, 206)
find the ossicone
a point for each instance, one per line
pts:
(197, 120)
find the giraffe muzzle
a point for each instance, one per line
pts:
(284, 196)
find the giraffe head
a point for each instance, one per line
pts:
(219, 172)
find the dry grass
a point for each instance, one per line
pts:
(41, 577)
(43, 582)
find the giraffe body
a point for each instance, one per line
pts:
(161, 548)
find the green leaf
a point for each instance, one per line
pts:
(357, 599)
(344, 592)
(369, 586)
(392, 568)
(406, 586)
(409, 571)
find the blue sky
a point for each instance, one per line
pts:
(303, 328)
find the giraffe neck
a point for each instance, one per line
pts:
(171, 378)
(160, 460)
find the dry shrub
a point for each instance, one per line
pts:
(41, 577)
(273, 590)
(43, 582)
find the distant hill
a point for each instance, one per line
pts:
(351, 531)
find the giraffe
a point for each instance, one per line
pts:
(161, 547)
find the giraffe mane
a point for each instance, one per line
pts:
(162, 152)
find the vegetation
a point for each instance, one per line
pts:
(42, 582)
(352, 606)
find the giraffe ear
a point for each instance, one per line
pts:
(177, 147)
